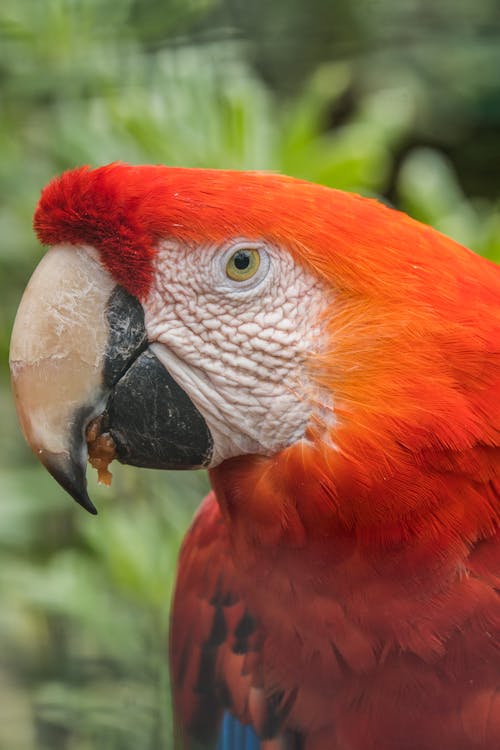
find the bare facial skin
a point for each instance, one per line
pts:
(239, 348)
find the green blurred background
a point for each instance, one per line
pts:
(394, 98)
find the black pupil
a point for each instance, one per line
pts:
(242, 260)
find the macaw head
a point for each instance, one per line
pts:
(183, 318)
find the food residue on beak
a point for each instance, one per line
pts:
(102, 450)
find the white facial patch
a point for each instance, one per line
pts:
(238, 348)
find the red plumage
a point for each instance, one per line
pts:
(362, 566)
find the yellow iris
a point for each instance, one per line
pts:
(243, 264)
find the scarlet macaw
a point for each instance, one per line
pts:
(336, 366)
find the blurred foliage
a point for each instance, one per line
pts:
(397, 100)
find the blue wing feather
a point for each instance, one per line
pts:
(236, 736)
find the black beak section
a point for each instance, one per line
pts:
(71, 476)
(152, 422)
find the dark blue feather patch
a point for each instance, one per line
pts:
(236, 736)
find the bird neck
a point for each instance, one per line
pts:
(311, 498)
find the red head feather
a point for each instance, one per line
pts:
(357, 243)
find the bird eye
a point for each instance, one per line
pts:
(243, 264)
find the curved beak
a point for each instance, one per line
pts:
(79, 352)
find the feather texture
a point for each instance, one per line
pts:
(215, 650)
